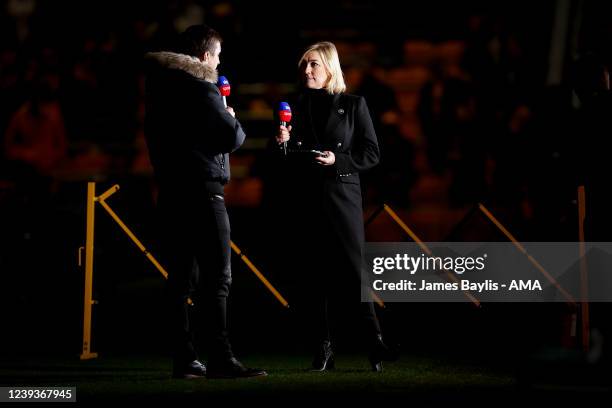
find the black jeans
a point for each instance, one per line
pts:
(196, 253)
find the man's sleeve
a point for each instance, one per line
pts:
(222, 133)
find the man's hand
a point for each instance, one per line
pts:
(231, 111)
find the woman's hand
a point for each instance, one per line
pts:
(230, 110)
(283, 134)
(328, 159)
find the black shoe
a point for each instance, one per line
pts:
(195, 369)
(380, 352)
(231, 368)
(324, 358)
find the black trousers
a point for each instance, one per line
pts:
(344, 294)
(196, 253)
(329, 279)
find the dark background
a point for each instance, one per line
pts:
(469, 107)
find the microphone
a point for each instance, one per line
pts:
(284, 113)
(224, 88)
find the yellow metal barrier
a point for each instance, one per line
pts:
(86, 353)
(420, 243)
(89, 246)
(569, 298)
(262, 278)
(102, 201)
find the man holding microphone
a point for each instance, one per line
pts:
(190, 134)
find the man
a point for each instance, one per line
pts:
(189, 133)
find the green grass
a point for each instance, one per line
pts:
(415, 378)
(147, 378)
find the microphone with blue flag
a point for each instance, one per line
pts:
(224, 88)
(284, 113)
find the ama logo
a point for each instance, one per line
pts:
(525, 285)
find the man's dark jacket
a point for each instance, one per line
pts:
(189, 133)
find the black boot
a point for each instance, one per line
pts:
(194, 369)
(380, 352)
(231, 368)
(324, 358)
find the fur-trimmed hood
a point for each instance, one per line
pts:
(191, 65)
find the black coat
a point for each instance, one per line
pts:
(188, 131)
(326, 201)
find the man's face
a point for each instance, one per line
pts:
(212, 59)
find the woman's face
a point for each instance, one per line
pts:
(315, 74)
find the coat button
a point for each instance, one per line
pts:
(339, 145)
(341, 111)
(299, 143)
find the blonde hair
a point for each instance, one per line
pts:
(331, 62)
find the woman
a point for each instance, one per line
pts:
(331, 141)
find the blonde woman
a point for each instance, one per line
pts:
(331, 140)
